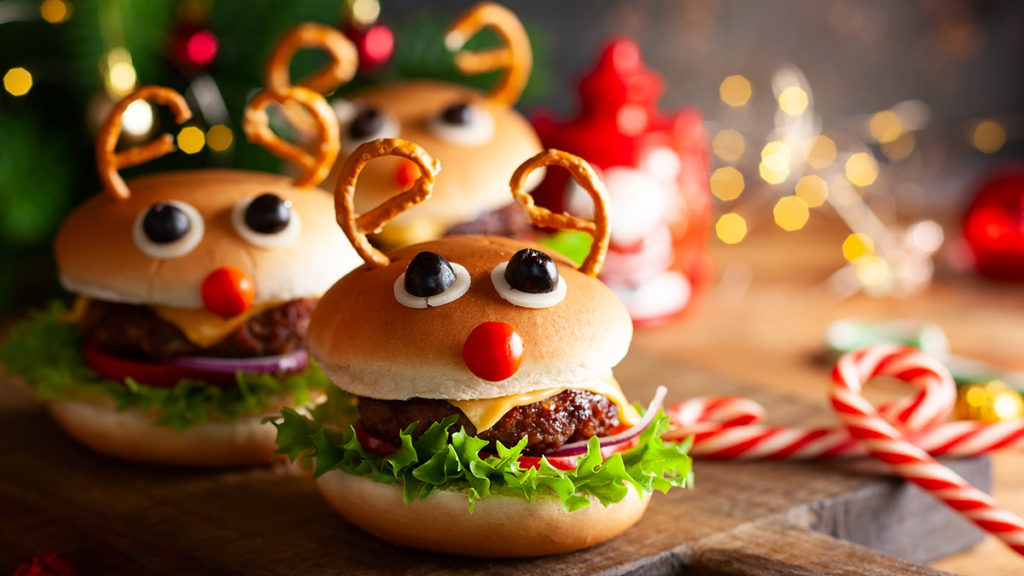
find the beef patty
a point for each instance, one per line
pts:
(567, 417)
(138, 332)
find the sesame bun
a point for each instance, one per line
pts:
(134, 435)
(500, 526)
(475, 177)
(371, 345)
(98, 257)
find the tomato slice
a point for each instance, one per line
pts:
(147, 373)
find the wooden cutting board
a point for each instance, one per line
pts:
(755, 518)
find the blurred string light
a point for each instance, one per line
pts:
(18, 81)
(137, 119)
(803, 168)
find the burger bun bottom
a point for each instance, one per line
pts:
(134, 435)
(499, 527)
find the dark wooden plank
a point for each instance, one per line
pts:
(272, 521)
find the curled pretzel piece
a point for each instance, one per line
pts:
(515, 57)
(340, 68)
(357, 226)
(588, 180)
(108, 162)
(315, 166)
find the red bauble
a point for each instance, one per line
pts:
(375, 45)
(47, 564)
(193, 48)
(994, 227)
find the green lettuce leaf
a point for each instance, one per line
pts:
(46, 352)
(453, 460)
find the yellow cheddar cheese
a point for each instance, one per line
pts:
(486, 413)
(204, 328)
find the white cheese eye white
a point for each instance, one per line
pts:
(361, 123)
(267, 221)
(463, 124)
(529, 279)
(168, 229)
(430, 281)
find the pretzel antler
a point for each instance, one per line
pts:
(584, 175)
(108, 162)
(315, 166)
(515, 57)
(344, 59)
(357, 226)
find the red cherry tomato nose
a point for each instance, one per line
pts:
(407, 173)
(228, 291)
(493, 351)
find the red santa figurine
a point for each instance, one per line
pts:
(655, 168)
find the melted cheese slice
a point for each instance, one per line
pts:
(486, 413)
(204, 328)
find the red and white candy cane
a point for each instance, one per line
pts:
(886, 443)
(730, 427)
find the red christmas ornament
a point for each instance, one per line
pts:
(193, 48)
(48, 564)
(655, 167)
(994, 227)
(375, 44)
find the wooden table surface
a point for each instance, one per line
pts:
(762, 325)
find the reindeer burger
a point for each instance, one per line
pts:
(487, 421)
(196, 290)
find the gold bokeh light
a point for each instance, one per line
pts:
(813, 190)
(858, 245)
(55, 11)
(727, 183)
(731, 228)
(18, 81)
(191, 140)
(861, 169)
(988, 136)
(728, 145)
(885, 126)
(791, 213)
(735, 90)
(822, 152)
(793, 100)
(219, 138)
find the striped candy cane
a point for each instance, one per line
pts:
(886, 443)
(731, 427)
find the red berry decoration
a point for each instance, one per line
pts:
(228, 291)
(493, 351)
(994, 227)
(47, 564)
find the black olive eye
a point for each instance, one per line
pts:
(459, 114)
(366, 123)
(164, 223)
(429, 274)
(268, 214)
(532, 271)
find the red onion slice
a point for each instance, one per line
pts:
(580, 447)
(292, 362)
